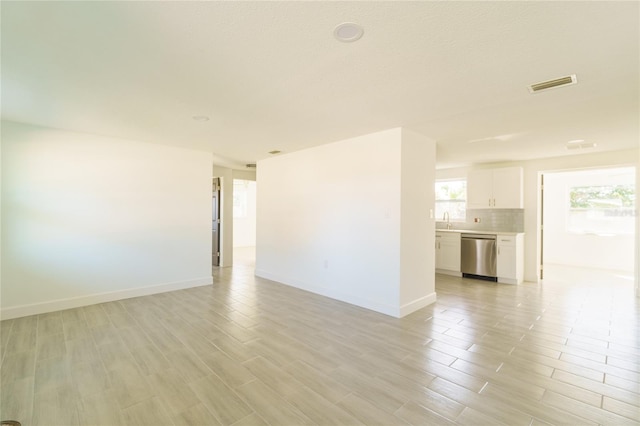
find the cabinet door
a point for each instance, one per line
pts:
(507, 188)
(506, 262)
(448, 251)
(439, 259)
(480, 189)
(450, 254)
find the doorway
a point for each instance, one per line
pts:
(244, 222)
(588, 226)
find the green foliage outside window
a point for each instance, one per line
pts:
(602, 197)
(452, 190)
(602, 209)
(451, 198)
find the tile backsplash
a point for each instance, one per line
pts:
(495, 220)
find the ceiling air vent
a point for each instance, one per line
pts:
(587, 145)
(551, 84)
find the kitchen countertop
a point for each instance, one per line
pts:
(468, 231)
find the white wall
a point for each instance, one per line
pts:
(244, 174)
(417, 259)
(330, 217)
(612, 252)
(87, 219)
(531, 187)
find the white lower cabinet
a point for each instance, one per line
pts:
(448, 253)
(510, 258)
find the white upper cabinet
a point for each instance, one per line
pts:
(480, 189)
(495, 189)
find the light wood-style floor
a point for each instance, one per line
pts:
(248, 351)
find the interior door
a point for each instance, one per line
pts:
(215, 223)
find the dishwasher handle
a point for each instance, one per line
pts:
(479, 236)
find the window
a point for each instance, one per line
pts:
(602, 209)
(451, 197)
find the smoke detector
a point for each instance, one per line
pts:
(552, 84)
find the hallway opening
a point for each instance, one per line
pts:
(244, 222)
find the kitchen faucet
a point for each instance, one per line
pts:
(445, 216)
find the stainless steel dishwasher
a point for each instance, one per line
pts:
(478, 256)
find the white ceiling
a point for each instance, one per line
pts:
(270, 75)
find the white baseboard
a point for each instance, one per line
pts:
(331, 293)
(420, 303)
(92, 299)
(447, 272)
(393, 311)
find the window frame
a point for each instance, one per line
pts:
(595, 217)
(439, 216)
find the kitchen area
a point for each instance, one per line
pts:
(486, 240)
